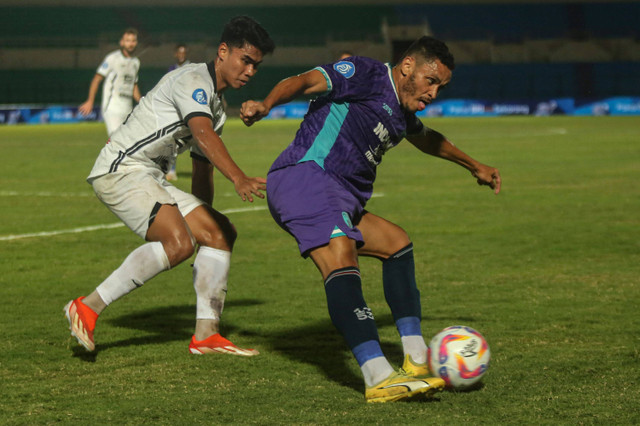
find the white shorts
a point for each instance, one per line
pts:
(136, 194)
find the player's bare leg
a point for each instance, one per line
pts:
(339, 253)
(381, 237)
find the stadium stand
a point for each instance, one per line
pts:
(48, 54)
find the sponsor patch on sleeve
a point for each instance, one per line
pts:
(346, 68)
(200, 96)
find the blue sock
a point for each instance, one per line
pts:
(350, 314)
(409, 326)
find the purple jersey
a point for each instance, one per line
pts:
(347, 131)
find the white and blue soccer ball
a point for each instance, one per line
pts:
(459, 355)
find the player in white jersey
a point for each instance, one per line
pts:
(119, 70)
(183, 111)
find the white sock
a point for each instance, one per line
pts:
(141, 265)
(376, 370)
(416, 347)
(210, 271)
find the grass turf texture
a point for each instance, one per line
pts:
(547, 271)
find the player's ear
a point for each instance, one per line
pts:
(223, 51)
(407, 65)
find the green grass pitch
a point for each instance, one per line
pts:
(548, 271)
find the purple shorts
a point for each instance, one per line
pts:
(312, 206)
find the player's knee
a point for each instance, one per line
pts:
(399, 240)
(221, 238)
(179, 249)
(403, 240)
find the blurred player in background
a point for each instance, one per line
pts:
(318, 187)
(345, 54)
(180, 54)
(183, 111)
(119, 70)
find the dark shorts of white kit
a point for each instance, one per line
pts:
(312, 206)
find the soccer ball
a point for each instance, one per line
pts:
(459, 355)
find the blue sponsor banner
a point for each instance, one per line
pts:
(621, 105)
(485, 108)
(290, 110)
(482, 108)
(45, 115)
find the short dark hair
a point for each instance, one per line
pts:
(243, 29)
(130, 30)
(345, 54)
(430, 48)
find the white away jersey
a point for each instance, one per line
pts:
(157, 131)
(120, 76)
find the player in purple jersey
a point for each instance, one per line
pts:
(318, 188)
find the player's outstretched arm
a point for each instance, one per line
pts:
(436, 144)
(309, 83)
(213, 148)
(86, 107)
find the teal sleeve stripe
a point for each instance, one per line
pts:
(326, 77)
(327, 136)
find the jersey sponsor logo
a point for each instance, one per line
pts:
(374, 155)
(388, 109)
(382, 133)
(346, 68)
(104, 65)
(200, 96)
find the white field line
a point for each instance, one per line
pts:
(104, 226)
(118, 224)
(45, 194)
(60, 232)
(506, 135)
